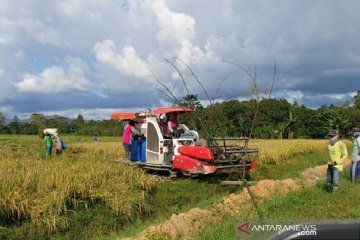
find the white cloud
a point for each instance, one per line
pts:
(6, 109)
(189, 53)
(56, 79)
(291, 96)
(127, 62)
(113, 42)
(29, 29)
(179, 28)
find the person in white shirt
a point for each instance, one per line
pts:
(58, 142)
(355, 156)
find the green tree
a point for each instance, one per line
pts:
(357, 100)
(289, 126)
(190, 101)
(238, 117)
(274, 112)
(80, 119)
(303, 126)
(37, 118)
(342, 118)
(15, 128)
(15, 119)
(2, 119)
(2, 123)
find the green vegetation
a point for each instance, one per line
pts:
(76, 127)
(315, 203)
(290, 168)
(277, 118)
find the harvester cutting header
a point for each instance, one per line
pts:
(165, 145)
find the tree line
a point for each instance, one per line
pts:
(37, 122)
(276, 118)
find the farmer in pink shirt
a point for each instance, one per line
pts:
(128, 132)
(172, 125)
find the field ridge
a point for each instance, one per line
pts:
(187, 225)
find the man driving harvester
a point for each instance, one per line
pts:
(173, 128)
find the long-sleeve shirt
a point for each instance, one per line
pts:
(338, 153)
(128, 132)
(48, 141)
(58, 143)
(356, 149)
(135, 131)
(172, 125)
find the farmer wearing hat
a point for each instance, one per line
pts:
(338, 153)
(162, 121)
(355, 156)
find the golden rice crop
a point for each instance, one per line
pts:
(277, 150)
(42, 190)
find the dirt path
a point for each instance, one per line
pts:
(187, 225)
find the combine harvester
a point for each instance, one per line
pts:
(183, 152)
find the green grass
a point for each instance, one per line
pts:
(309, 204)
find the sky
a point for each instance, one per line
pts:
(90, 57)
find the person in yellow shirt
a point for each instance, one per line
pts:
(337, 153)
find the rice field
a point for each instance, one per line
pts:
(41, 190)
(275, 151)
